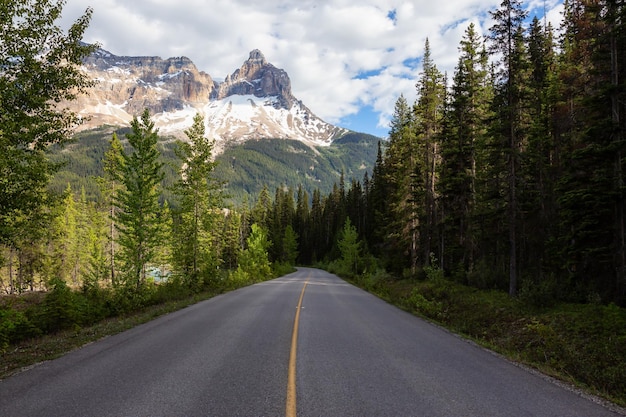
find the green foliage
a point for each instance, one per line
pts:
(138, 219)
(351, 250)
(200, 201)
(274, 163)
(61, 308)
(14, 327)
(254, 264)
(40, 68)
(290, 246)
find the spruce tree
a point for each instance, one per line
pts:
(400, 162)
(464, 132)
(138, 219)
(506, 36)
(200, 201)
(429, 117)
(110, 185)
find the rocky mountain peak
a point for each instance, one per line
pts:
(257, 56)
(259, 78)
(253, 102)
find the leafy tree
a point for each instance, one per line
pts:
(138, 220)
(39, 69)
(254, 263)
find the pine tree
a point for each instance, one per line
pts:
(429, 116)
(302, 225)
(537, 180)
(254, 263)
(290, 246)
(138, 221)
(350, 248)
(400, 161)
(464, 131)
(200, 203)
(591, 192)
(506, 39)
(110, 185)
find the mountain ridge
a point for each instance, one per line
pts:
(255, 101)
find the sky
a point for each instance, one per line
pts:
(348, 60)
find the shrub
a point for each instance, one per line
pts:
(15, 327)
(60, 309)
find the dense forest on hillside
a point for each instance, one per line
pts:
(243, 168)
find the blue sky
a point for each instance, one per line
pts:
(348, 60)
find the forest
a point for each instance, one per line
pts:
(506, 175)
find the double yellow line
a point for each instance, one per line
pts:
(291, 379)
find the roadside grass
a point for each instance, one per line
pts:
(46, 347)
(37, 327)
(581, 344)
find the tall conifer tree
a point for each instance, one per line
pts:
(200, 203)
(506, 39)
(138, 201)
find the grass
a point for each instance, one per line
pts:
(582, 344)
(50, 319)
(47, 347)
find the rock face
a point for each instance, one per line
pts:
(259, 78)
(253, 102)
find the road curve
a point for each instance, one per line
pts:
(230, 356)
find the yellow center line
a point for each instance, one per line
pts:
(291, 379)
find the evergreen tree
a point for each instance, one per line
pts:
(110, 185)
(350, 248)
(590, 190)
(317, 234)
(254, 263)
(290, 246)
(200, 202)
(506, 40)
(138, 221)
(429, 116)
(302, 225)
(537, 179)
(464, 131)
(400, 162)
(377, 204)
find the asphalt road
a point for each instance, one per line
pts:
(230, 356)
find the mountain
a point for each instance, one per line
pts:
(253, 102)
(264, 135)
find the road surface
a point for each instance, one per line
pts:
(307, 344)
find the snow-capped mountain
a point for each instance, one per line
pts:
(253, 102)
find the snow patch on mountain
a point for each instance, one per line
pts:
(254, 102)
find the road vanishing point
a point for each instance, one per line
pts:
(306, 344)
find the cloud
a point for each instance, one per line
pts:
(341, 55)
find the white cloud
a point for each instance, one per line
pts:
(339, 54)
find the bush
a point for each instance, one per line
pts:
(60, 309)
(15, 327)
